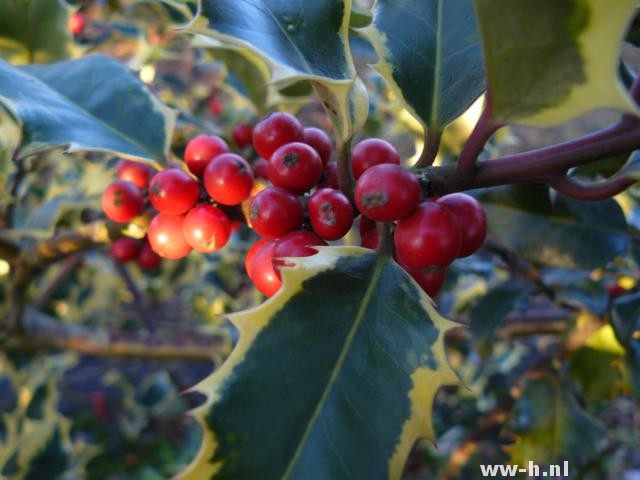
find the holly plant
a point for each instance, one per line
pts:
(318, 239)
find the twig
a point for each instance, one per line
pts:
(429, 153)
(345, 174)
(484, 128)
(69, 265)
(591, 191)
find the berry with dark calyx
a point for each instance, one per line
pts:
(201, 150)
(76, 23)
(228, 179)
(430, 279)
(329, 177)
(263, 273)
(370, 152)
(429, 237)
(125, 249)
(295, 244)
(206, 228)
(242, 135)
(260, 168)
(173, 192)
(166, 236)
(331, 213)
(471, 219)
(274, 212)
(296, 167)
(387, 193)
(122, 201)
(148, 259)
(137, 173)
(255, 248)
(321, 143)
(275, 130)
(368, 233)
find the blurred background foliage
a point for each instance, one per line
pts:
(551, 355)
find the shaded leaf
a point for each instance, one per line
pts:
(430, 54)
(557, 67)
(549, 425)
(92, 103)
(625, 320)
(294, 399)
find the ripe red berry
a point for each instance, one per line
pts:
(430, 279)
(263, 273)
(216, 107)
(331, 213)
(228, 179)
(147, 258)
(368, 233)
(321, 143)
(370, 152)
(387, 192)
(166, 236)
(260, 168)
(201, 150)
(471, 219)
(206, 228)
(274, 212)
(173, 192)
(296, 167)
(122, 201)
(76, 23)
(255, 248)
(124, 249)
(242, 134)
(329, 177)
(274, 131)
(137, 173)
(295, 244)
(429, 237)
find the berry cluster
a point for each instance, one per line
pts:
(301, 208)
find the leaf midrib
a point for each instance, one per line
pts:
(360, 314)
(437, 65)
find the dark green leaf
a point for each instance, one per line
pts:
(625, 320)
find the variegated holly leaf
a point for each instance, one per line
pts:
(429, 52)
(563, 64)
(34, 31)
(334, 377)
(300, 40)
(92, 103)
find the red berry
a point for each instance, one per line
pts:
(122, 201)
(430, 236)
(264, 275)
(76, 23)
(331, 213)
(124, 249)
(255, 248)
(173, 192)
(471, 219)
(387, 192)
(166, 236)
(260, 168)
(330, 177)
(206, 228)
(296, 244)
(274, 131)
(242, 134)
(296, 167)
(228, 179)
(321, 143)
(274, 212)
(368, 233)
(216, 107)
(370, 152)
(147, 258)
(201, 150)
(137, 173)
(430, 279)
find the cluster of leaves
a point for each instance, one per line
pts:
(551, 352)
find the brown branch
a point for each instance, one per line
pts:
(591, 191)
(68, 266)
(346, 181)
(429, 153)
(45, 334)
(9, 249)
(482, 132)
(140, 302)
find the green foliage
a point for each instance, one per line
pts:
(430, 53)
(98, 106)
(626, 324)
